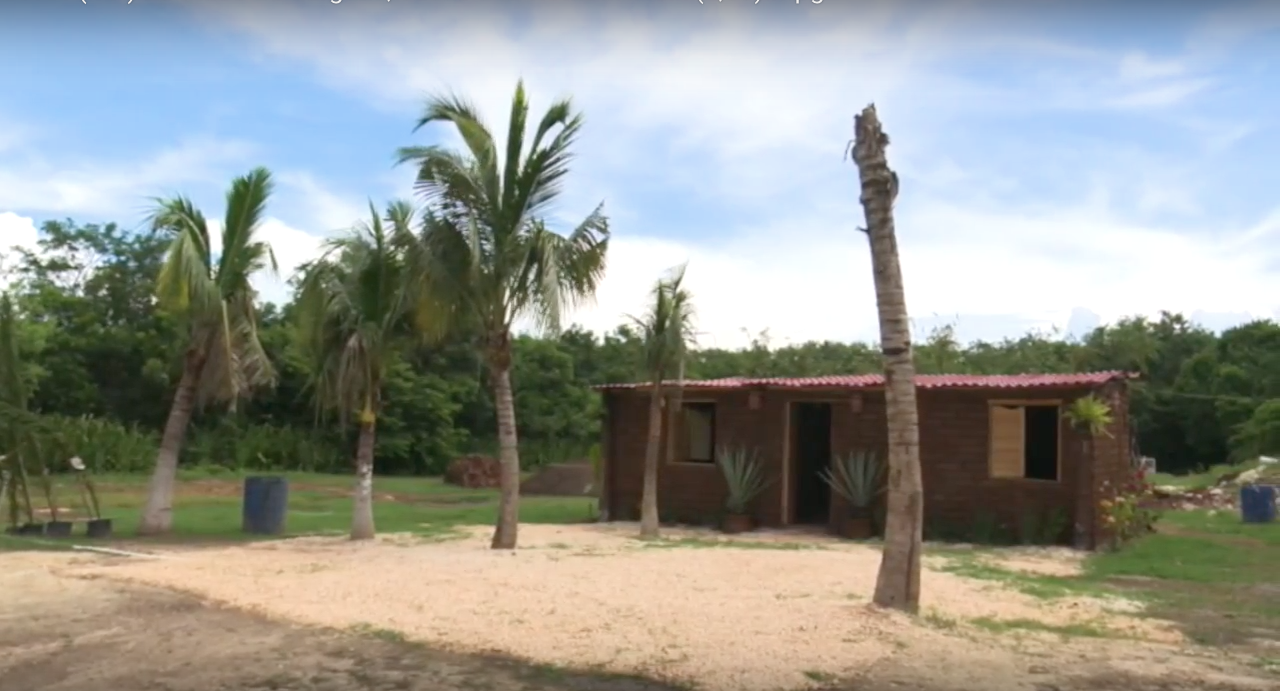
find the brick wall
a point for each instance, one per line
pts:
(953, 453)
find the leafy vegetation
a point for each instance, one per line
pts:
(85, 298)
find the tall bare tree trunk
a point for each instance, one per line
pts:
(504, 535)
(898, 583)
(649, 497)
(362, 527)
(157, 516)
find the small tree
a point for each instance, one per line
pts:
(210, 292)
(352, 316)
(486, 258)
(666, 331)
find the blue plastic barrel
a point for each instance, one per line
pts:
(1258, 503)
(266, 501)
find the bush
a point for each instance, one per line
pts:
(259, 448)
(1126, 513)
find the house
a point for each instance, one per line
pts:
(997, 448)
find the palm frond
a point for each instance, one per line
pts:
(352, 308)
(214, 295)
(485, 252)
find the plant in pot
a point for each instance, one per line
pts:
(97, 525)
(857, 478)
(745, 481)
(17, 496)
(55, 527)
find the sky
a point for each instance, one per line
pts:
(1062, 164)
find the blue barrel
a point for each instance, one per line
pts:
(266, 501)
(1258, 503)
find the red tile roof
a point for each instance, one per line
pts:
(923, 381)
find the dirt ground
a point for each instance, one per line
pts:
(574, 596)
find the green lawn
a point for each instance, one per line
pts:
(208, 506)
(1215, 576)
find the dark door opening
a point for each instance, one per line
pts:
(810, 454)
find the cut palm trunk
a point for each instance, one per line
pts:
(898, 583)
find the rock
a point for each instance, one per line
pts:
(1267, 460)
(1249, 477)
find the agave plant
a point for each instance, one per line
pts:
(743, 475)
(856, 477)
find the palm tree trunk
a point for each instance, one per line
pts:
(362, 506)
(898, 583)
(157, 516)
(504, 535)
(649, 497)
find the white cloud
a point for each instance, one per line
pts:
(292, 248)
(751, 114)
(89, 187)
(822, 288)
(15, 231)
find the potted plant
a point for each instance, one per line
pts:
(18, 497)
(97, 526)
(857, 479)
(745, 482)
(55, 527)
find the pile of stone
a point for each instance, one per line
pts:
(1225, 492)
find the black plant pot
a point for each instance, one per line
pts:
(98, 528)
(57, 529)
(30, 529)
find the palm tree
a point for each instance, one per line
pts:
(352, 312)
(486, 258)
(898, 583)
(211, 293)
(667, 332)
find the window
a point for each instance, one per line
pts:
(699, 433)
(1024, 441)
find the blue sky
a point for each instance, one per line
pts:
(1061, 165)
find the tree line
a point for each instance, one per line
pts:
(397, 348)
(94, 345)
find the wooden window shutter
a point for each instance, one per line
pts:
(1008, 429)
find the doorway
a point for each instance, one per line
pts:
(810, 455)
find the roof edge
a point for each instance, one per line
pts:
(864, 382)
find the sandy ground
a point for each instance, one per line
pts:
(716, 618)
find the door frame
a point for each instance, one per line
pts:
(788, 443)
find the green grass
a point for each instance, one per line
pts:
(208, 506)
(714, 543)
(1077, 630)
(1215, 576)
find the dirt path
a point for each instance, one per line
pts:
(72, 634)
(72, 623)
